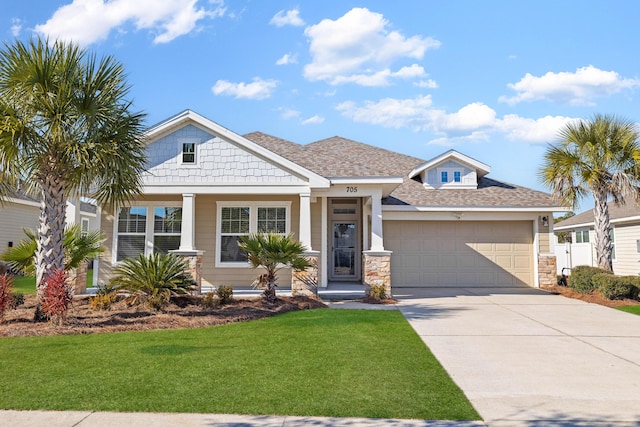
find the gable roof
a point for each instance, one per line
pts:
(480, 168)
(341, 157)
(627, 212)
(190, 117)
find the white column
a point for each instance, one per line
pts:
(187, 236)
(305, 220)
(377, 243)
(324, 245)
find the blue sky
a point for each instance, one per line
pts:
(493, 79)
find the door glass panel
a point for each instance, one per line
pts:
(344, 249)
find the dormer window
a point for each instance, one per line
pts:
(188, 153)
(444, 176)
(457, 176)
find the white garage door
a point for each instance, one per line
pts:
(457, 253)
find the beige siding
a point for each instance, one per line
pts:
(627, 262)
(544, 242)
(460, 253)
(13, 218)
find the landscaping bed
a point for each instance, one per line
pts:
(595, 297)
(182, 312)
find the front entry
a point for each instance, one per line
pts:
(345, 240)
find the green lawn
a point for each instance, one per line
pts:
(27, 284)
(321, 362)
(635, 309)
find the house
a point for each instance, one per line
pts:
(367, 215)
(21, 211)
(625, 237)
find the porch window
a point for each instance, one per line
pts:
(234, 222)
(167, 225)
(236, 219)
(582, 236)
(132, 227)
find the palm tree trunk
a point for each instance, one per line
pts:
(50, 252)
(602, 229)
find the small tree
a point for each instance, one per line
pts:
(273, 252)
(58, 296)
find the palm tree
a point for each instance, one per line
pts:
(79, 247)
(66, 128)
(598, 157)
(273, 252)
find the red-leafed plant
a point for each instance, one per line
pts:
(58, 295)
(6, 294)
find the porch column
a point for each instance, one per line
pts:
(377, 243)
(187, 234)
(305, 220)
(324, 244)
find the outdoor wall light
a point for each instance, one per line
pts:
(545, 221)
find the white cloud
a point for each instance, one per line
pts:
(427, 84)
(286, 59)
(88, 21)
(359, 48)
(473, 122)
(16, 27)
(288, 113)
(315, 120)
(258, 89)
(579, 88)
(290, 17)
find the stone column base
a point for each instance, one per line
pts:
(78, 278)
(377, 270)
(194, 259)
(306, 282)
(547, 270)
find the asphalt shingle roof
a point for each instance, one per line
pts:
(629, 209)
(341, 157)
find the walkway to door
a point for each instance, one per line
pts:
(525, 357)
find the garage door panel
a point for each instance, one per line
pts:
(452, 253)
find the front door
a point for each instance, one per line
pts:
(344, 265)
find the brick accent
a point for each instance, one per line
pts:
(306, 282)
(377, 269)
(194, 259)
(547, 273)
(78, 278)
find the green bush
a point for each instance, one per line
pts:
(225, 293)
(581, 279)
(378, 292)
(617, 287)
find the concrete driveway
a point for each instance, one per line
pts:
(525, 357)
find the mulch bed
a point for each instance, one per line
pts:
(183, 312)
(596, 297)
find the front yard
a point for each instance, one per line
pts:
(318, 362)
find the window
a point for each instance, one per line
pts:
(444, 176)
(139, 233)
(188, 153)
(132, 226)
(234, 222)
(167, 225)
(236, 219)
(84, 227)
(457, 176)
(582, 236)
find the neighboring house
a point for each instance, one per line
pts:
(625, 236)
(22, 211)
(368, 215)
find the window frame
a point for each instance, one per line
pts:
(149, 226)
(253, 224)
(84, 231)
(196, 152)
(162, 233)
(450, 174)
(581, 233)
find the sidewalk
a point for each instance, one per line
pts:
(108, 419)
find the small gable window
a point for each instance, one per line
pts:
(457, 176)
(189, 153)
(444, 176)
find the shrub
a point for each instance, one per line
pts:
(153, 279)
(617, 287)
(378, 292)
(6, 294)
(209, 300)
(57, 297)
(225, 293)
(104, 297)
(18, 300)
(581, 279)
